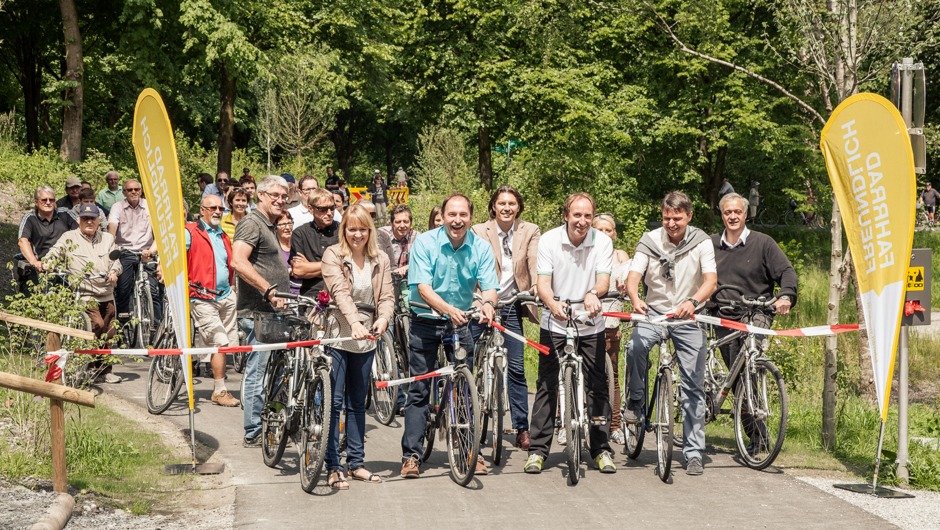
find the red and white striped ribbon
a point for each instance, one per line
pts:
(541, 348)
(813, 331)
(214, 349)
(447, 370)
(56, 361)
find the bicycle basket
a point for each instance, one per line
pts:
(272, 327)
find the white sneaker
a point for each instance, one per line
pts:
(617, 437)
(562, 437)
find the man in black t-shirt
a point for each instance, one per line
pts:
(72, 188)
(39, 231)
(310, 241)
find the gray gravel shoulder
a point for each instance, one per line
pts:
(921, 512)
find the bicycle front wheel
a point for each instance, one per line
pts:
(317, 407)
(165, 378)
(144, 315)
(662, 424)
(572, 426)
(460, 422)
(498, 410)
(274, 414)
(384, 369)
(678, 435)
(760, 415)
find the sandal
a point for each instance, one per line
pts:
(337, 481)
(370, 478)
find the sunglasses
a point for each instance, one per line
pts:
(45, 200)
(325, 209)
(223, 181)
(128, 190)
(214, 208)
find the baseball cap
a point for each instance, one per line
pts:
(377, 172)
(88, 210)
(288, 177)
(72, 182)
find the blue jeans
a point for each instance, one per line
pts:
(424, 339)
(689, 341)
(253, 396)
(350, 379)
(517, 388)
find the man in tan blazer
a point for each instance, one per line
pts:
(515, 246)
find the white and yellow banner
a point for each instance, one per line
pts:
(155, 148)
(871, 167)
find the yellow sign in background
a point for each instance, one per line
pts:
(915, 279)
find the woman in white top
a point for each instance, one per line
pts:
(621, 262)
(355, 272)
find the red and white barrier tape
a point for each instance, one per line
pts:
(447, 370)
(813, 331)
(541, 348)
(56, 361)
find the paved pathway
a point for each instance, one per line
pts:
(727, 495)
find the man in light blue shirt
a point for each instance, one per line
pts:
(447, 265)
(209, 260)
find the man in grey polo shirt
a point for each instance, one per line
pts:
(677, 264)
(574, 264)
(256, 258)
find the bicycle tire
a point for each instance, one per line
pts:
(430, 427)
(499, 413)
(274, 420)
(238, 362)
(573, 428)
(633, 433)
(768, 394)
(144, 315)
(460, 422)
(385, 369)
(678, 435)
(317, 410)
(662, 424)
(82, 376)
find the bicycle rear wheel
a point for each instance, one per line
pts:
(238, 362)
(760, 415)
(437, 386)
(634, 433)
(144, 315)
(460, 422)
(572, 426)
(315, 424)
(274, 414)
(678, 434)
(498, 410)
(384, 369)
(165, 376)
(662, 423)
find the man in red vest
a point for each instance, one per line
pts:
(211, 278)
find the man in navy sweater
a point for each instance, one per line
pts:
(753, 262)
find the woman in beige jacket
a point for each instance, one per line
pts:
(355, 272)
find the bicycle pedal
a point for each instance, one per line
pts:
(599, 421)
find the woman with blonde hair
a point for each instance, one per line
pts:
(238, 200)
(605, 223)
(355, 272)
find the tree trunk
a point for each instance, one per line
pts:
(866, 374)
(29, 75)
(341, 137)
(832, 357)
(486, 159)
(71, 146)
(226, 120)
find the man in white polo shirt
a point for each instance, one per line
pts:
(677, 264)
(574, 264)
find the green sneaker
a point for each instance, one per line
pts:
(605, 463)
(533, 465)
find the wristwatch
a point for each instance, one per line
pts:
(594, 292)
(693, 300)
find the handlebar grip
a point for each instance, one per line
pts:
(288, 296)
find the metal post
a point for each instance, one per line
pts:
(874, 478)
(903, 458)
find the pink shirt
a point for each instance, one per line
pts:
(133, 225)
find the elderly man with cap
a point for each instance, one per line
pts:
(72, 187)
(86, 250)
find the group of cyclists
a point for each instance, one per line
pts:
(452, 268)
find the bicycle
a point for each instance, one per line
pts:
(165, 375)
(138, 331)
(760, 397)
(453, 407)
(80, 373)
(492, 378)
(391, 359)
(658, 416)
(298, 397)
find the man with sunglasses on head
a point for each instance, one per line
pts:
(310, 241)
(257, 259)
(677, 265)
(129, 223)
(209, 261)
(39, 231)
(301, 213)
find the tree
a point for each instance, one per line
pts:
(71, 147)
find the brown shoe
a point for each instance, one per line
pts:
(523, 441)
(481, 467)
(224, 399)
(410, 468)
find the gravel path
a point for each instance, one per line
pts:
(919, 513)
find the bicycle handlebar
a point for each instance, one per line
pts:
(757, 303)
(468, 314)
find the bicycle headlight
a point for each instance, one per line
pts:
(497, 340)
(460, 354)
